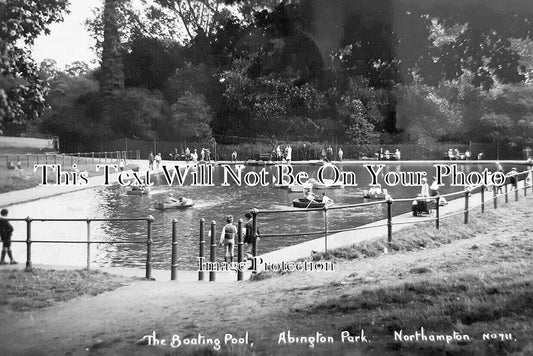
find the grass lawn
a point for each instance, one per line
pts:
(41, 288)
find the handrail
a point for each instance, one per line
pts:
(466, 192)
(148, 241)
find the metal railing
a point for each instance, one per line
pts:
(88, 242)
(29, 159)
(434, 215)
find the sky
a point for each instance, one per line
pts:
(69, 41)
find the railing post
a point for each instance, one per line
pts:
(240, 243)
(201, 255)
(174, 262)
(516, 189)
(494, 196)
(525, 186)
(506, 189)
(149, 241)
(389, 220)
(483, 198)
(437, 212)
(28, 244)
(325, 229)
(255, 234)
(88, 245)
(212, 255)
(467, 194)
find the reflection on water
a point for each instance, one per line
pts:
(212, 203)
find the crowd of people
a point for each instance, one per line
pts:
(386, 155)
(453, 154)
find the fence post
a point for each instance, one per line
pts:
(516, 189)
(483, 198)
(467, 194)
(506, 189)
(174, 263)
(212, 255)
(325, 229)
(437, 212)
(525, 186)
(149, 241)
(389, 220)
(255, 234)
(240, 273)
(201, 252)
(494, 196)
(88, 245)
(28, 244)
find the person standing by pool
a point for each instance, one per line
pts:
(227, 239)
(6, 230)
(424, 191)
(151, 160)
(249, 236)
(340, 154)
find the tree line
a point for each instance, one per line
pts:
(355, 72)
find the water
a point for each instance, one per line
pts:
(211, 203)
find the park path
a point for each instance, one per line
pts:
(40, 192)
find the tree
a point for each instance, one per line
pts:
(22, 91)
(112, 76)
(190, 119)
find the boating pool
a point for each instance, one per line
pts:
(213, 203)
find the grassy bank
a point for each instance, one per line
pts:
(26, 291)
(470, 281)
(460, 281)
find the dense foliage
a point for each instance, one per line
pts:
(22, 92)
(340, 71)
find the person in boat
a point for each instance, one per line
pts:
(170, 200)
(308, 194)
(227, 239)
(375, 189)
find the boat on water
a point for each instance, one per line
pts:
(173, 203)
(311, 204)
(373, 194)
(138, 190)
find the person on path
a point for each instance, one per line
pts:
(6, 230)
(249, 236)
(151, 160)
(227, 239)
